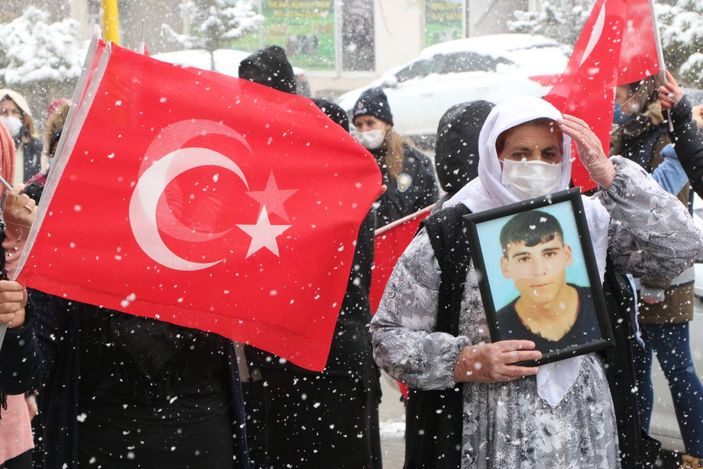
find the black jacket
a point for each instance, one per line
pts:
(688, 141)
(32, 149)
(44, 354)
(414, 189)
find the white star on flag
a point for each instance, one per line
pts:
(263, 234)
(273, 197)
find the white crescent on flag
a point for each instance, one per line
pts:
(148, 190)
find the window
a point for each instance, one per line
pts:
(471, 62)
(420, 68)
(358, 44)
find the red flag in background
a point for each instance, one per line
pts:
(617, 46)
(211, 203)
(389, 243)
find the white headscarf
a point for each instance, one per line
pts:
(487, 192)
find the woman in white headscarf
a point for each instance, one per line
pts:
(557, 415)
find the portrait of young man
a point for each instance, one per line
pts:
(550, 311)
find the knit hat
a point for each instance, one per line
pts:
(270, 67)
(456, 148)
(333, 111)
(373, 102)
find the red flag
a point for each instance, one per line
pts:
(217, 204)
(389, 243)
(617, 46)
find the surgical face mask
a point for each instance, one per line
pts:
(528, 179)
(371, 139)
(12, 123)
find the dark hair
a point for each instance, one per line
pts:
(532, 228)
(645, 92)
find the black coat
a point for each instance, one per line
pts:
(32, 149)
(44, 354)
(414, 189)
(688, 141)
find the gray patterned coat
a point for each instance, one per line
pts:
(507, 425)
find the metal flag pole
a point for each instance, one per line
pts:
(660, 58)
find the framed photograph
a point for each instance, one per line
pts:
(538, 275)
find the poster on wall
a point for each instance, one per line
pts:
(304, 28)
(443, 20)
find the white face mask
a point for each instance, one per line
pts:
(528, 179)
(13, 124)
(371, 139)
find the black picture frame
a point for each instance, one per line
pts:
(591, 330)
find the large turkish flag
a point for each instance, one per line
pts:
(617, 45)
(204, 201)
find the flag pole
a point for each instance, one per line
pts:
(111, 21)
(660, 58)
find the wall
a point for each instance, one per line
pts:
(491, 16)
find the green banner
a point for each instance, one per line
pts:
(304, 28)
(443, 20)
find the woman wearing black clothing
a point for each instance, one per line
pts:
(118, 391)
(326, 419)
(406, 172)
(122, 391)
(687, 137)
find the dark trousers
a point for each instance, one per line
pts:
(670, 342)
(317, 420)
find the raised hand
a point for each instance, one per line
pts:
(13, 299)
(492, 362)
(19, 209)
(671, 93)
(590, 150)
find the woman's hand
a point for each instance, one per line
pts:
(491, 362)
(19, 209)
(671, 93)
(13, 299)
(590, 150)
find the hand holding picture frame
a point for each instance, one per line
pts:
(538, 275)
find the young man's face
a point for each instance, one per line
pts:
(538, 272)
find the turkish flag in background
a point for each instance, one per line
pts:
(618, 45)
(205, 201)
(389, 243)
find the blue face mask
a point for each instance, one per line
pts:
(618, 117)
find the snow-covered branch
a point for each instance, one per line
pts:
(211, 24)
(33, 50)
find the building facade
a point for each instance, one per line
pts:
(340, 44)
